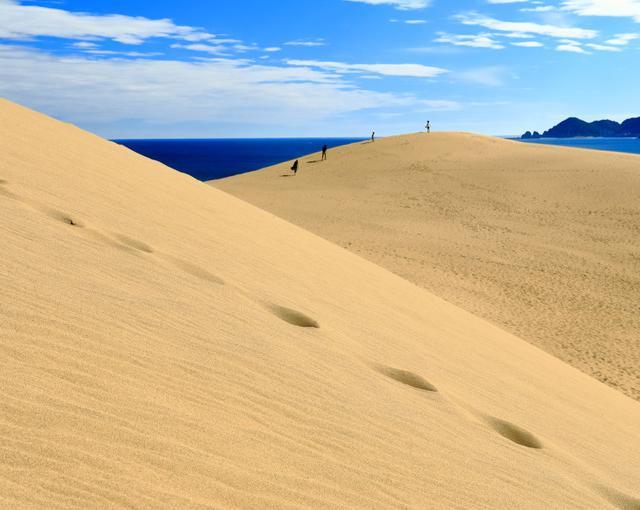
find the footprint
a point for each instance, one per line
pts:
(293, 317)
(2, 181)
(134, 243)
(513, 433)
(406, 377)
(52, 213)
(618, 499)
(60, 216)
(196, 271)
(6, 193)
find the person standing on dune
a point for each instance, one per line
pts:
(428, 126)
(373, 136)
(294, 167)
(324, 152)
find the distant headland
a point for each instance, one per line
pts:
(574, 127)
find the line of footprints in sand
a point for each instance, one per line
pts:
(124, 242)
(506, 429)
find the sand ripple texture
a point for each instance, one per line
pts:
(542, 241)
(166, 345)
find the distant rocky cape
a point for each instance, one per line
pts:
(573, 127)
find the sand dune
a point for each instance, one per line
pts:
(542, 241)
(165, 345)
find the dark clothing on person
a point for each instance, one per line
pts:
(324, 152)
(294, 167)
(373, 136)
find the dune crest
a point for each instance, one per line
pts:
(539, 240)
(166, 345)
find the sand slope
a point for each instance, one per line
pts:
(543, 241)
(163, 344)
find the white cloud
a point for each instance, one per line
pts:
(571, 48)
(539, 8)
(623, 39)
(28, 21)
(403, 5)
(408, 21)
(410, 70)
(214, 49)
(528, 44)
(313, 43)
(603, 47)
(215, 91)
(474, 41)
(84, 45)
(611, 8)
(524, 27)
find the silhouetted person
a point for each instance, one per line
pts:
(324, 152)
(428, 126)
(373, 136)
(294, 167)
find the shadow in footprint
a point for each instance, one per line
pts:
(406, 377)
(2, 181)
(133, 243)
(293, 317)
(618, 499)
(6, 193)
(196, 271)
(513, 432)
(62, 217)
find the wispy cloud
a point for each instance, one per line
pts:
(403, 5)
(310, 44)
(230, 91)
(623, 39)
(474, 41)
(410, 70)
(571, 47)
(611, 8)
(19, 21)
(603, 47)
(528, 44)
(526, 27)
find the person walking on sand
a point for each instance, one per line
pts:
(324, 152)
(373, 136)
(428, 126)
(294, 167)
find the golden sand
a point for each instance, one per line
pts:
(165, 345)
(542, 241)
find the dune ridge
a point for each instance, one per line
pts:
(540, 240)
(166, 345)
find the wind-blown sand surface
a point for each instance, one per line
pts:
(163, 344)
(542, 241)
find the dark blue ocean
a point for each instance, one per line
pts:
(630, 145)
(217, 158)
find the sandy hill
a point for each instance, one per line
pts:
(165, 345)
(542, 241)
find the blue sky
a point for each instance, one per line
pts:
(229, 68)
